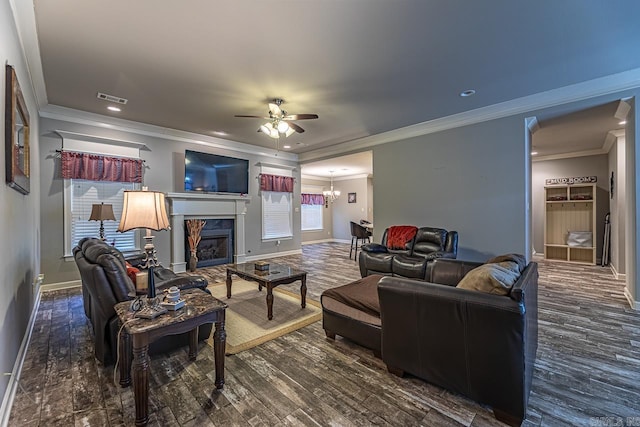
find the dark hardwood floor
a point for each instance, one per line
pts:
(587, 369)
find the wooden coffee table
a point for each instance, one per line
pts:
(277, 274)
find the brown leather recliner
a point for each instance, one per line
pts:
(105, 283)
(412, 261)
(477, 344)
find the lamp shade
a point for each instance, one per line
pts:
(143, 209)
(102, 212)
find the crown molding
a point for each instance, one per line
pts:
(596, 152)
(57, 112)
(577, 92)
(24, 18)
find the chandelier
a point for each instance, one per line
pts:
(332, 194)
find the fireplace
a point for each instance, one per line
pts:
(216, 243)
(211, 208)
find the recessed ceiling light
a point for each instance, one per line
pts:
(468, 92)
(219, 133)
(113, 108)
(286, 146)
(533, 153)
(624, 122)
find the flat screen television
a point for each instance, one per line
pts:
(212, 173)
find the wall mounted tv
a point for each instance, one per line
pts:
(212, 173)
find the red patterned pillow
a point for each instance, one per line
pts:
(131, 272)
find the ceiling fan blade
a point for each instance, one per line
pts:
(251, 117)
(295, 127)
(275, 109)
(301, 117)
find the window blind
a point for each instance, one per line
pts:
(276, 215)
(83, 195)
(311, 217)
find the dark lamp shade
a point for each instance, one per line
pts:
(102, 212)
(143, 209)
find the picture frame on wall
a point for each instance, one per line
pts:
(351, 197)
(17, 161)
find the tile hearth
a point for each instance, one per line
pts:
(587, 367)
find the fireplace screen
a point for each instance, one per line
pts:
(216, 243)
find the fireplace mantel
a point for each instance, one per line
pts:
(205, 206)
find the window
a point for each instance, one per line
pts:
(311, 207)
(276, 215)
(80, 195)
(311, 217)
(276, 191)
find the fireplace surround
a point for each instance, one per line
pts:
(184, 206)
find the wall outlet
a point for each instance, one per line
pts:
(277, 242)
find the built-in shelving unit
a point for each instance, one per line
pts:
(569, 208)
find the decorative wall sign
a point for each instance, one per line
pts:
(572, 180)
(16, 136)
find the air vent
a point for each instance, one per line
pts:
(111, 98)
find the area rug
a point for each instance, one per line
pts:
(246, 318)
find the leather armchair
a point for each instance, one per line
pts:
(428, 244)
(477, 344)
(105, 283)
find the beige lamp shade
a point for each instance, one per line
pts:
(102, 212)
(143, 209)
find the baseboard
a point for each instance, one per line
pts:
(60, 285)
(348, 242)
(272, 255)
(617, 275)
(12, 387)
(634, 304)
(311, 242)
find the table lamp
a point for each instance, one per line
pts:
(101, 212)
(146, 209)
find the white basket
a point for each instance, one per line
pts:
(583, 239)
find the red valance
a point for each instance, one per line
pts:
(95, 167)
(312, 199)
(281, 184)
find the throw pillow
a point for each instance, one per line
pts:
(493, 278)
(517, 258)
(131, 272)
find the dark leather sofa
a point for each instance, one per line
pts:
(476, 344)
(412, 261)
(105, 283)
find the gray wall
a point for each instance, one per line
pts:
(576, 166)
(164, 171)
(344, 212)
(468, 179)
(19, 218)
(327, 218)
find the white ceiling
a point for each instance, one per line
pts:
(365, 67)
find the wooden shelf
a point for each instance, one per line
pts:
(563, 216)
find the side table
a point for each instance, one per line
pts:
(200, 307)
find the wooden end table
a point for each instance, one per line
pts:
(277, 274)
(200, 307)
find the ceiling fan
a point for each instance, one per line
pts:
(279, 123)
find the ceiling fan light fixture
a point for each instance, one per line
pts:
(265, 128)
(274, 133)
(289, 132)
(283, 127)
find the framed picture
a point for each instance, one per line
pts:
(16, 124)
(351, 197)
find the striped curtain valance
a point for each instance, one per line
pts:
(281, 184)
(96, 167)
(312, 199)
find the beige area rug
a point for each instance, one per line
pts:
(246, 318)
